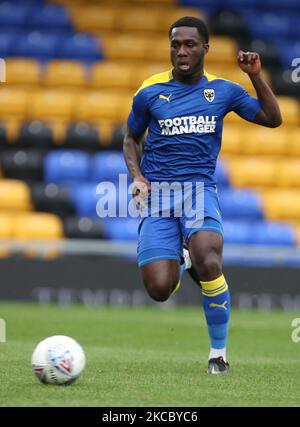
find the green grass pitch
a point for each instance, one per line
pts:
(149, 356)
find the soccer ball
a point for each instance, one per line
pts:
(58, 360)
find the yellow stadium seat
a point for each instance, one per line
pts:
(65, 74)
(288, 173)
(251, 172)
(111, 75)
(96, 106)
(145, 71)
(6, 226)
(15, 196)
(282, 205)
(59, 129)
(37, 226)
(261, 140)
(232, 140)
(222, 51)
(125, 47)
(294, 144)
(95, 18)
(49, 104)
(12, 126)
(290, 110)
(14, 102)
(169, 15)
(22, 72)
(141, 19)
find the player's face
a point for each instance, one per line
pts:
(187, 50)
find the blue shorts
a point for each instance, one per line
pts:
(162, 237)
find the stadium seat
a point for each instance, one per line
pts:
(264, 141)
(7, 43)
(232, 140)
(82, 228)
(240, 204)
(236, 232)
(22, 72)
(272, 233)
(95, 18)
(121, 229)
(66, 166)
(14, 15)
(288, 173)
(111, 75)
(85, 199)
(6, 226)
(14, 102)
(107, 165)
(15, 196)
(38, 45)
(125, 46)
(294, 138)
(36, 134)
(49, 104)
(221, 47)
(95, 106)
(282, 204)
(12, 127)
(82, 135)
(50, 16)
(52, 198)
(37, 226)
(26, 164)
(290, 110)
(65, 74)
(84, 47)
(252, 172)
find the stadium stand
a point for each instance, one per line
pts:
(72, 68)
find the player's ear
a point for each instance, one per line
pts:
(206, 48)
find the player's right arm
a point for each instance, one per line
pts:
(137, 124)
(132, 153)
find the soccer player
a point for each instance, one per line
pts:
(183, 111)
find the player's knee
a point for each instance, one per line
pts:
(209, 268)
(160, 291)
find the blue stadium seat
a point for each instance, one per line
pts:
(285, 5)
(237, 232)
(107, 165)
(221, 174)
(7, 43)
(269, 25)
(240, 203)
(273, 233)
(80, 46)
(37, 45)
(66, 166)
(14, 15)
(85, 199)
(288, 50)
(50, 17)
(121, 228)
(90, 200)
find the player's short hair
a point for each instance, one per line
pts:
(191, 21)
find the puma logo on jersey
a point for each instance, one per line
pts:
(167, 98)
(212, 304)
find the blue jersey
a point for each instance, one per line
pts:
(184, 124)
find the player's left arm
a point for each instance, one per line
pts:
(269, 114)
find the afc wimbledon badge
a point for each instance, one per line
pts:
(209, 94)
